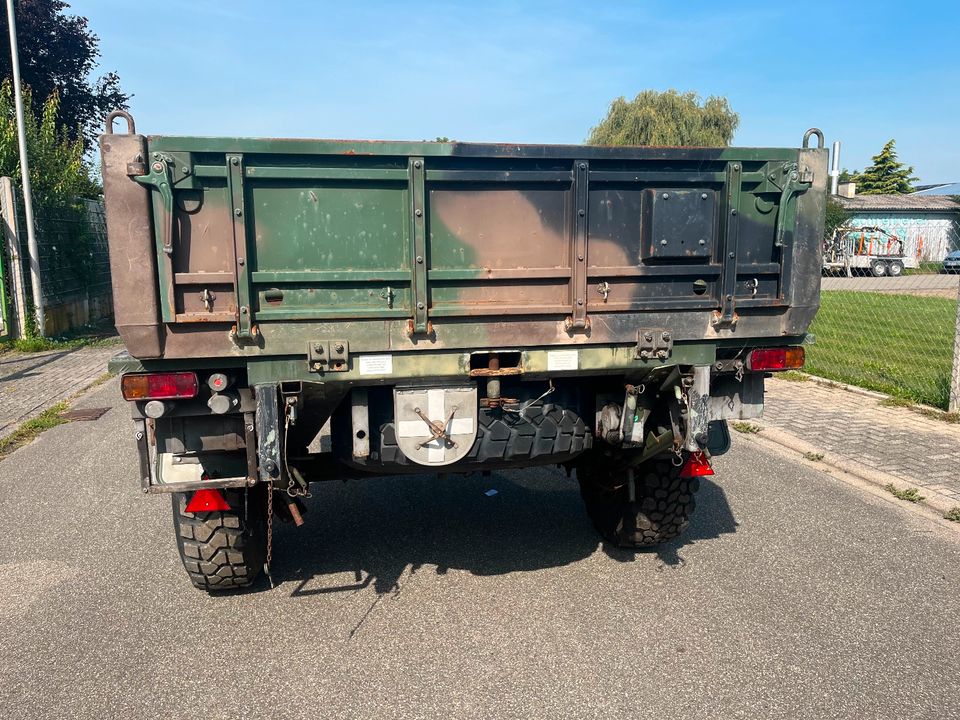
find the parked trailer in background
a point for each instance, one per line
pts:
(447, 307)
(861, 250)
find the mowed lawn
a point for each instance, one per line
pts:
(897, 344)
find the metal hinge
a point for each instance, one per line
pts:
(328, 356)
(654, 344)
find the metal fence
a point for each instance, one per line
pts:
(73, 257)
(888, 316)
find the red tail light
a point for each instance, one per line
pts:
(207, 500)
(772, 359)
(159, 386)
(697, 465)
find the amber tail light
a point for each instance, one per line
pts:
(773, 359)
(159, 386)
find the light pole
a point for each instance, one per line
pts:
(25, 173)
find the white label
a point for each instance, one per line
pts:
(376, 364)
(563, 360)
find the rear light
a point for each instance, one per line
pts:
(697, 465)
(159, 386)
(771, 359)
(207, 500)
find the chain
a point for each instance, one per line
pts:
(266, 564)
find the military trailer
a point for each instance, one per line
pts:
(298, 311)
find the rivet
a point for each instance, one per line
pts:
(663, 242)
(736, 168)
(703, 196)
(139, 436)
(702, 241)
(729, 297)
(240, 261)
(419, 258)
(580, 258)
(418, 212)
(243, 310)
(733, 212)
(583, 166)
(234, 161)
(238, 212)
(417, 163)
(249, 428)
(579, 301)
(666, 196)
(185, 170)
(419, 306)
(733, 255)
(582, 212)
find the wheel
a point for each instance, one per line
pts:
(661, 510)
(895, 268)
(878, 268)
(223, 550)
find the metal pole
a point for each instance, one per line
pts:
(835, 169)
(25, 173)
(953, 403)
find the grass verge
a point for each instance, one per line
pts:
(901, 345)
(29, 430)
(745, 427)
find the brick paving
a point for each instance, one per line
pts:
(32, 382)
(897, 441)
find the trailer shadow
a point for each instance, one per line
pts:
(370, 532)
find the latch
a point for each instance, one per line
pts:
(654, 344)
(328, 356)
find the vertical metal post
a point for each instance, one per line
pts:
(11, 236)
(25, 173)
(953, 404)
(835, 169)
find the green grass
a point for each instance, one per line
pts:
(745, 427)
(953, 514)
(36, 344)
(901, 345)
(813, 456)
(909, 494)
(51, 417)
(793, 376)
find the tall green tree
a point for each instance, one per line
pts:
(887, 175)
(58, 53)
(59, 170)
(667, 118)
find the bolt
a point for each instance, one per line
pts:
(644, 354)
(729, 297)
(318, 348)
(139, 436)
(580, 257)
(185, 170)
(583, 166)
(666, 196)
(663, 242)
(417, 163)
(418, 212)
(156, 156)
(240, 261)
(243, 310)
(249, 428)
(794, 176)
(238, 212)
(662, 354)
(733, 254)
(648, 337)
(736, 168)
(733, 212)
(579, 301)
(702, 241)
(582, 212)
(146, 490)
(419, 258)
(270, 466)
(158, 167)
(665, 335)
(419, 306)
(338, 347)
(234, 161)
(703, 196)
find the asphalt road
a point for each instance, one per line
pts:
(793, 595)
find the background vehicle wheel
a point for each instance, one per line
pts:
(878, 268)
(225, 549)
(661, 511)
(895, 269)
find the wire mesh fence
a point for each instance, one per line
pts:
(888, 313)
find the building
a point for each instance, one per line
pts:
(927, 224)
(941, 189)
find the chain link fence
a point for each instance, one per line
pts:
(888, 314)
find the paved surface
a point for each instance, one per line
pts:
(32, 382)
(943, 285)
(921, 450)
(793, 595)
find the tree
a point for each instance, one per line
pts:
(59, 171)
(58, 53)
(667, 118)
(887, 175)
(836, 216)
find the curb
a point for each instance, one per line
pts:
(933, 505)
(875, 395)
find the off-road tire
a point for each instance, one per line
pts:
(662, 510)
(223, 550)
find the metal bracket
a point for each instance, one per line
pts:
(795, 182)
(654, 344)
(160, 176)
(328, 356)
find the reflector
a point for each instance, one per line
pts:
(773, 359)
(159, 386)
(697, 465)
(207, 500)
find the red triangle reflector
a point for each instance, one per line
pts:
(697, 465)
(207, 500)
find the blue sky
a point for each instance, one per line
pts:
(540, 72)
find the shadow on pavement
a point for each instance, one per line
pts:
(368, 532)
